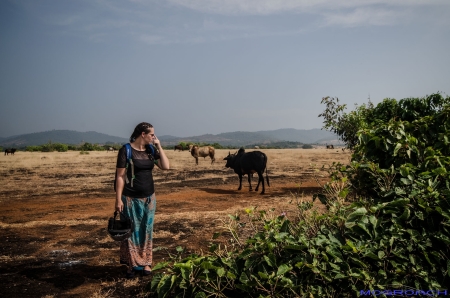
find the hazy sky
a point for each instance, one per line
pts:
(192, 67)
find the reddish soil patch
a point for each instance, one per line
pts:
(55, 244)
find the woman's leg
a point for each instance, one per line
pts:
(138, 249)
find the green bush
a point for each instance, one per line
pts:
(60, 147)
(387, 225)
(47, 147)
(91, 147)
(33, 148)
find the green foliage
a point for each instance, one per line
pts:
(215, 145)
(91, 147)
(33, 148)
(278, 145)
(387, 225)
(49, 147)
(345, 125)
(307, 146)
(60, 147)
(87, 147)
(184, 145)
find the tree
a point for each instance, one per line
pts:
(345, 125)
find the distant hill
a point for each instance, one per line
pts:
(243, 138)
(237, 138)
(60, 136)
(306, 136)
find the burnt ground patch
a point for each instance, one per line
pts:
(54, 240)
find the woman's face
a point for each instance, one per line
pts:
(150, 136)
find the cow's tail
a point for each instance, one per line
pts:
(267, 176)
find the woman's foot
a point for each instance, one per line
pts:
(130, 274)
(147, 271)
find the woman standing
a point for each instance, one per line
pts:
(135, 196)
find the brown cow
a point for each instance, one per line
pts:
(330, 147)
(197, 152)
(178, 147)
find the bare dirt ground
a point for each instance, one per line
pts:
(54, 209)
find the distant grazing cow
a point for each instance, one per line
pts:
(8, 151)
(197, 152)
(248, 163)
(330, 147)
(256, 147)
(178, 147)
(112, 149)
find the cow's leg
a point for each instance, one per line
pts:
(260, 179)
(196, 160)
(250, 181)
(240, 182)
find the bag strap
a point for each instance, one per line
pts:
(128, 148)
(129, 161)
(150, 148)
(121, 213)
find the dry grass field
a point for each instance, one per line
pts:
(54, 209)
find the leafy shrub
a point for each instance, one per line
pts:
(33, 148)
(307, 146)
(47, 147)
(91, 147)
(387, 224)
(60, 147)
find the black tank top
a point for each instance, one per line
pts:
(143, 185)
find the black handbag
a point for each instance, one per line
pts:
(120, 229)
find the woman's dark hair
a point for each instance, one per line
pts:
(141, 127)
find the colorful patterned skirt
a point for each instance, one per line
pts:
(137, 251)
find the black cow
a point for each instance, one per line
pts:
(330, 147)
(246, 164)
(179, 147)
(8, 151)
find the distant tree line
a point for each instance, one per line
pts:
(50, 147)
(274, 145)
(281, 145)
(60, 147)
